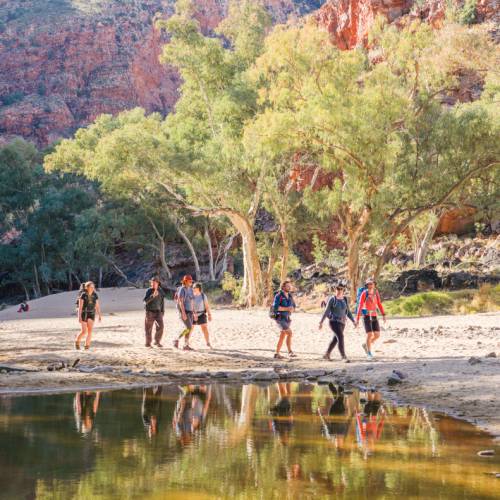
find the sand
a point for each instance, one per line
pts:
(434, 352)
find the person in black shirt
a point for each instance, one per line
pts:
(155, 307)
(88, 305)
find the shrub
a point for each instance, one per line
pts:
(319, 252)
(232, 284)
(12, 98)
(468, 14)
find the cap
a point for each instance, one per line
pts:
(187, 278)
(370, 281)
(155, 278)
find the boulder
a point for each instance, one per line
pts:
(418, 280)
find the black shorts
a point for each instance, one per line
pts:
(201, 320)
(371, 324)
(86, 315)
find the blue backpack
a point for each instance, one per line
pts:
(360, 291)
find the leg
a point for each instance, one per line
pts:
(90, 326)
(375, 336)
(289, 341)
(283, 334)
(340, 337)
(83, 333)
(204, 329)
(333, 343)
(369, 337)
(148, 327)
(159, 327)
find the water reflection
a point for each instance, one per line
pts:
(285, 440)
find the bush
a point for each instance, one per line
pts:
(486, 299)
(319, 252)
(468, 14)
(9, 99)
(232, 284)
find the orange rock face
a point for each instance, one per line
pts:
(64, 62)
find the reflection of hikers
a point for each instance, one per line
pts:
(283, 306)
(151, 406)
(155, 307)
(85, 406)
(23, 307)
(282, 421)
(191, 411)
(337, 311)
(202, 311)
(369, 303)
(88, 305)
(370, 423)
(184, 298)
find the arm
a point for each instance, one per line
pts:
(98, 309)
(348, 310)
(207, 308)
(150, 296)
(180, 303)
(327, 308)
(379, 305)
(80, 308)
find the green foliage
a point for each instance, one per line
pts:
(12, 98)
(233, 285)
(486, 299)
(319, 250)
(468, 13)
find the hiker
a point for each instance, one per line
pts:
(369, 303)
(185, 304)
(337, 311)
(23, 307)
(88, 305)
(154, 302)
(202, 312)
(283, 306)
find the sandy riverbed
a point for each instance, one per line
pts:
(433, 351)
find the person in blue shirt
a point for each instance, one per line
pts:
(284, 305)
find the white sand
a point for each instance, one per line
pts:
(433, 351)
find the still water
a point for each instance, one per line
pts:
(286, 440)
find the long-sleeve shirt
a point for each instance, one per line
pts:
(155, 304)
(370, 302)
(337, 310)
(281, 300)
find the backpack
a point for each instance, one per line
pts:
(360, 291)
(329, 312)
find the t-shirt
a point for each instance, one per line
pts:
(199, 303)
(89, 301)
(186, 296)
(155, 304)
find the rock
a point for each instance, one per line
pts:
(315, 373)
(418, 280)
(491, 355)
(486, 453)
(326, 380)
(85, 369)
(474, 361)
(220, 375)
(265, 376)
(394, 379)
(102, 369)
(400, 374)
(460, 280)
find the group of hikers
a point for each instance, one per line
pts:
(194, 310)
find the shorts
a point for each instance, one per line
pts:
(86, 315)
(188, 322)
(371, 324)
(372, 407)
(201, 320)
(283, 323)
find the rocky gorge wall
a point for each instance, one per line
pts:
(64, 62)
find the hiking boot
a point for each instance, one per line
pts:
(209, 346)
(369, 355)
(278, 356)
(176, 344)
(346, 360)
(291, 354)
(188, 348)
(87, 347)
(327, 357)
(77, 346)
(148, 345)
(157, 344)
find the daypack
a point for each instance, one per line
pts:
(360, 291)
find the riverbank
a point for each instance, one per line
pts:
(444, 357)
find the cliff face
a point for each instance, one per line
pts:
(64, 62)
(349, 21)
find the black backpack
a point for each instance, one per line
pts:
(273, 314)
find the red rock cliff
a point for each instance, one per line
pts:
(64, 62)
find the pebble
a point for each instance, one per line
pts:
(474, 361)
(491, 355)
(265, 376)
(394, 380)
